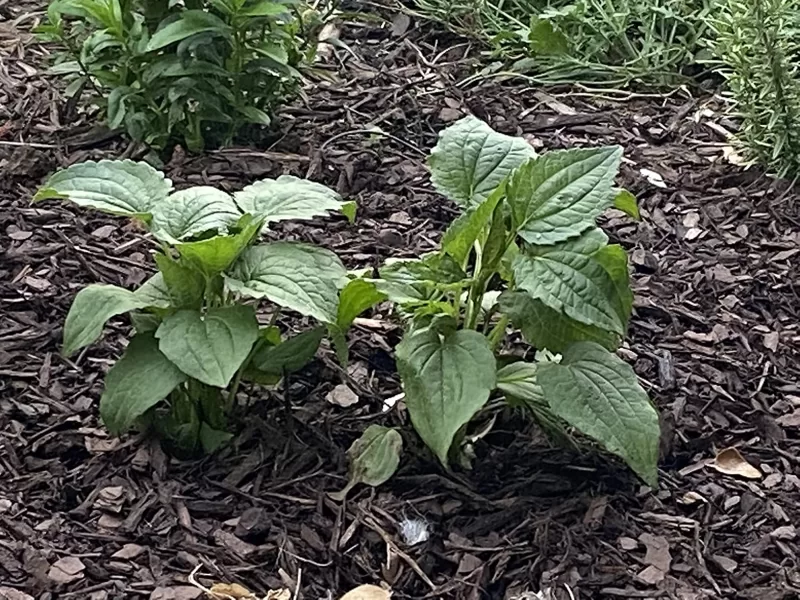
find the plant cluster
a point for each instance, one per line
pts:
(757, 43)
(199, 329)
(524, 256)
(193, 72)
(613, 42)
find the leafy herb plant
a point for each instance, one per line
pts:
(757, 46)
(526, 253)
(618, 42)
(198, 334)
(192, 72)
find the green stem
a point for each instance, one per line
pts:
(498, 332)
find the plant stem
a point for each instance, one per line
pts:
(498, 332)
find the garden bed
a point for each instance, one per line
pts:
(714, 340)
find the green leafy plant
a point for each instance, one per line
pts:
(525, 252)
(193, 71)
(610, 42)
(199, 328)
(756, 42)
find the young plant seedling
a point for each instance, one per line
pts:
(526, 253)
(197, 336)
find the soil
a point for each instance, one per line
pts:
(714, 340)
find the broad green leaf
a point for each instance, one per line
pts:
(287, 197)
(117, 187)
(144, 322)
(615, 262)
(185, 287)
(212, 439)
(213, 256)
(374, 457)
(142, 378)
(446, 379)
(154, 293)
(589, 242)
(545, 328)
(193, 211)
(471, 160)
(209, 347)
(518, 379)
(299, 277)
(92, 307)
(356, 297)
(572, 283)
(288, 356)
(559, 195)
(467, 228)
(596, 392)
(191, 22)
(626, 202)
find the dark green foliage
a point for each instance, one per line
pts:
(193, 72)
(758, 45)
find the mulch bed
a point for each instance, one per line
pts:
(714, 340)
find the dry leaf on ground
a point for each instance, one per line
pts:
(367, 592)
(731, 462)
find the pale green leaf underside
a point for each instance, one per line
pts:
(560, 194)
(209, 347)
(92, 307)
(471, 160)
(117, 187)
(446, 380)
(572, 283)
(299, 277)
(142, 378)
(287, 197)
(193, 211)
(596, 392)
(518, 379)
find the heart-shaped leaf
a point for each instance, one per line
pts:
(471, 160)
(209, 347)
(447, 378)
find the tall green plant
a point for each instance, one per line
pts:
(613, 42)
(757, 42)
(198, 335)
(192, 72)
(524, 253)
